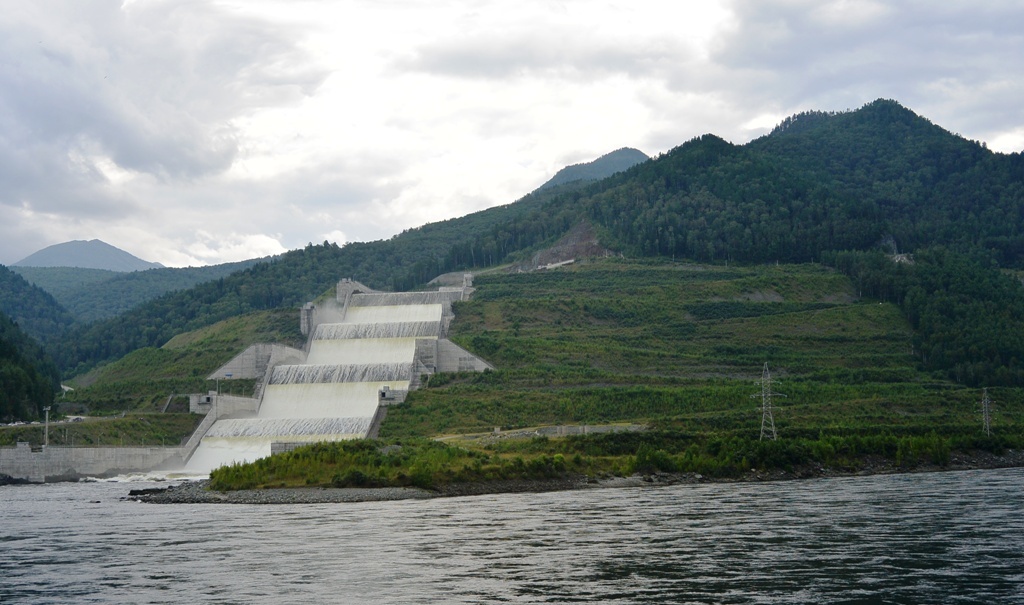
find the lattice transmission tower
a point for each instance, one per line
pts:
(986, 413)
(766, 394)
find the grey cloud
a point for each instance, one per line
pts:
(782, 54)
(568, 54)
(152, 85)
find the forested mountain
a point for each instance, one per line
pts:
(91, 254)
(601, 168)
(819, 182)
(94, 294)
(35, 311)
(409, 259)
(28, 379)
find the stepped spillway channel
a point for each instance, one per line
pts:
(336, 393)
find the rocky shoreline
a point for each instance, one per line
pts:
(9, 480)
(197, 492)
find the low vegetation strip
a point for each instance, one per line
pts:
(565, 462)
(422, 463)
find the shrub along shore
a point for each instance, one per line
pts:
(203, 492)
(422, 468)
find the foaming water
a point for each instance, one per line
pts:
(323, 400)
(929, 538)
(408, 329)
(214, 452)
(390, 299)
(394, 314)
(361, 351)
(282, 429)
(324, 373)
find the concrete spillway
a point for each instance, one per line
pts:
(330, 390)
(335, 394)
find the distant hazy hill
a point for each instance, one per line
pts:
(602, 167)
(94, 294)
(92, 254)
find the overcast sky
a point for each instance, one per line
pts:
(201, 132)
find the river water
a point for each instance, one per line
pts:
(925, 538)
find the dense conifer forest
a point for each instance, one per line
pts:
(28, 379)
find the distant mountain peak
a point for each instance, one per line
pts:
(91, 254)
(602, 167)
(879, 111)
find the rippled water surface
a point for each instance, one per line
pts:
(929, 538)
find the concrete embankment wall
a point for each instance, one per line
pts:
(62, 463)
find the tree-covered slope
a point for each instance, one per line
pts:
(28, 379)
(35, 311)
(920, 184)
(967, 315)
(60, 282)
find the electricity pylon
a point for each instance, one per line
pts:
(986, 413)
(766, 394)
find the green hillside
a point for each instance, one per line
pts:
(143, 380)
(677, 348)
(681, 346)
(877, 176)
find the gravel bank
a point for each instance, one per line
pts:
(196, 492)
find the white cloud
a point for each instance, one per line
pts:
(230, 246)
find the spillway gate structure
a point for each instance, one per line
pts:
(365, 350)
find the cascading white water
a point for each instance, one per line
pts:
(362, 350)
(370, 372)
(405, 299)
(327, 400)
(293, 427)
(408, 329)
(404, 313)
(335, 394)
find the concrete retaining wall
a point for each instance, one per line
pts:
(62, 463)
(256, 359)
(453, 358)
